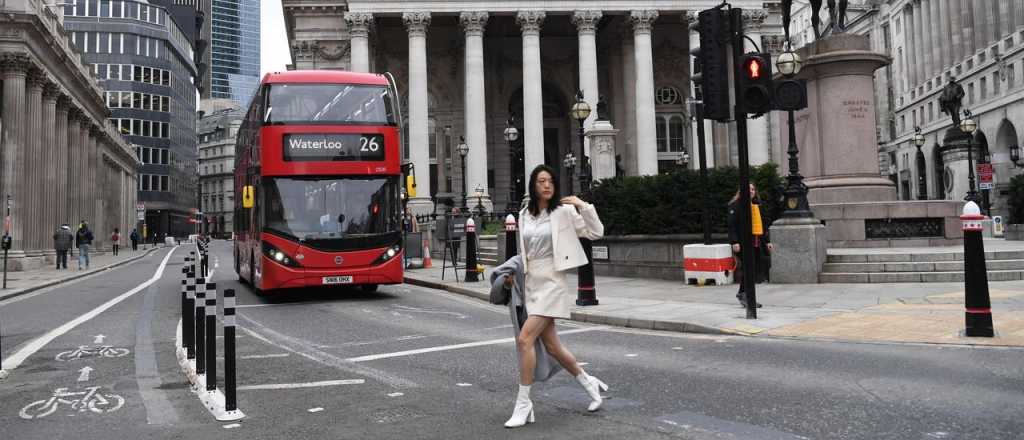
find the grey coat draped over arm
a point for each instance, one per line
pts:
(547, 365)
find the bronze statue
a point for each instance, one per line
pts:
(602, 108)
(837, 17)
(950, 100)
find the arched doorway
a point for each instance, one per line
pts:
(557, 140)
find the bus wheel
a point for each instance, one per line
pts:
(369, 288)
(238, 267)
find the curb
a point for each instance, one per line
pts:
(52, 283)
(594, 318)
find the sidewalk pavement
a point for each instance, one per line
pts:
(902, 312)
(20, 283)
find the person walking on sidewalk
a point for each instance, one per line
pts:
(83, 240)
(62, 244)
(549, 245)
(115, 238)
(762, 243)
(134, 237)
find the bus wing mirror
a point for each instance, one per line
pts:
(248, 196)
(410, 186)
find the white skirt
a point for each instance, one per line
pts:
(547, 293)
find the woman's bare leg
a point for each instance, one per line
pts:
(527, 339)
(554, 346)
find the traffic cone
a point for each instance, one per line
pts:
(426, 254)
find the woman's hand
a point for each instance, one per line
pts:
(574, 201)
(771, 248)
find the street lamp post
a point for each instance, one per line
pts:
(922, 185)
(683, 161)
(479, 191)
(570, 164)
(968, 125)
(586, 294)
(511, 135)
(463, 150)
(789, 64)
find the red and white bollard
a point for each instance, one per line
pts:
(471, 272)
(979, 308)
(511, 241)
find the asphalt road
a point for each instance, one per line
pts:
(408, 362)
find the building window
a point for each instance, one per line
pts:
(931, 112)
(982, 86)
(995, 83)
(970, 93)
(1011, 76)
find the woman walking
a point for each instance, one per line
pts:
(115, 239)
(549, 245)
(762, 243)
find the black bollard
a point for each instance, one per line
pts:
(586, 292)
(979, 309)
(511, 241)
(200, 326)
(188, 321)
(230, 395)
(471, 272)
(211, 336)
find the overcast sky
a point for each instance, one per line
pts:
(274, 54)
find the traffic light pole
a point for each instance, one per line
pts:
(747, 252)
(698, 114)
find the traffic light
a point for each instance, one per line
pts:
(756, 83)
(712, 73)
(789, 94)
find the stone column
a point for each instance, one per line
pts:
(968, 28)
(359, 24)
(709, 153)
(473, 23)
(956, 26)
(646, 126)
(928, 42)
(92, 186)
(74, 138)
(985, 17)
(945, 40)
(909, 63)
(628, 127)
(1018, 14)
(533, 97)
(586, 27)
(15, 67)
(31, 203)
(417, 23)
(758, 138)
(919, 44)
(60, 156)
(80, 158)
(48, 170)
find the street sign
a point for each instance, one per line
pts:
(141, 215)
(985, 175)
(140, 206)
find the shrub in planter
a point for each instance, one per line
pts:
(670, 203)
(1016, 199)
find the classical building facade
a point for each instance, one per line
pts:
(143, 60)
(465, 69)
(216, 130)
(62, 160)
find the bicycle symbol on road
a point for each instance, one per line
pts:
(85, 351)
(91, 399)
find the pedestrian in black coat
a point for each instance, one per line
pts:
(762, 242)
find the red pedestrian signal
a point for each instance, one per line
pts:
(756, 83)
(754, 68)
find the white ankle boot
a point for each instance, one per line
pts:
(593, 386)
(523, 413)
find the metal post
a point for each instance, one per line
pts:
(471, 272)
(188, 319)
(978, 316)
(230, 391)
(972, 193)
(698, 110)
(7, 240)
(211, 336)
(743, 208)
(465, 208)
(796, 191)
(200, 326)
(511, 240)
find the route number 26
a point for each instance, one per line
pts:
(368, 144)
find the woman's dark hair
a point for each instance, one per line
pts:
(556, 196)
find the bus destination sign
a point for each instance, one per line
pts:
(333, 147)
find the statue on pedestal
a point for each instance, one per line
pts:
(950, 100)
(836, 16)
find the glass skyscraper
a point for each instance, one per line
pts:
(235, 49)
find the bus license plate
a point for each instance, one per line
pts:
(344, 279)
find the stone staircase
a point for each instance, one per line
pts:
(488, 254)
(918, 266)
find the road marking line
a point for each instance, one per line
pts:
(233, 426)
(463, 384)
(315, 410)
(632, 355)
(286, 386)
(374, 357)
(396, 394)
(265, 356)
(29, 349)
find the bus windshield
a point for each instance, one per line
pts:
(329, 104)
(349, 212)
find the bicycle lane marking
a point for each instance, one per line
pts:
(15, 360)
(159, 410)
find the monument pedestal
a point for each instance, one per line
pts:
(602, 149)
(801, 246)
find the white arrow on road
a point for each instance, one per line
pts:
(99, 339)
(85, 374)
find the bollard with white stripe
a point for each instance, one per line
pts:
(230, 390)
(200, 311)
(211, 337)
(511, 241)
(188, 325)
(978, 319)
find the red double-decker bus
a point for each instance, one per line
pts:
(317, 182)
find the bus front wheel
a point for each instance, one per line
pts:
(369, 288)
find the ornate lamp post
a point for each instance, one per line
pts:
(683, 160)
(511, 135)
(789, 64)
(580, 112)
(1015, 156)
(463, 150)
(922, 185)
(969, 126)
(570, 164)
(479, 191)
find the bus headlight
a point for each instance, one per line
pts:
(389, 253)
(277, 255)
